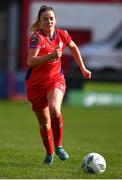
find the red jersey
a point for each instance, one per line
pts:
(50, 70)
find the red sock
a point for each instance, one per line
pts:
(47, 140)
(57, 127)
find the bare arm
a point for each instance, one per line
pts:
(35, 60)
(77, 57)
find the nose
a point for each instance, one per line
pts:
(49, 21)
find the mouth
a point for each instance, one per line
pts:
(50, 25)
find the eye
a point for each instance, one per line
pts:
(51, 18)
(45, 19)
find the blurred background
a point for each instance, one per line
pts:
(95, 26)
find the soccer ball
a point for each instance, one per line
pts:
(94, 163)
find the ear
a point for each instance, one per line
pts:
(55, 21)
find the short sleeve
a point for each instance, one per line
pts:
(34, 41)
(68, 37)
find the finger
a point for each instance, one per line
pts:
(89, 75)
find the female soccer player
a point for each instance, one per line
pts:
(45, 83)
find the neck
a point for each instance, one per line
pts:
(49, 33)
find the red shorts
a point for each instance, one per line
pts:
(38, 95)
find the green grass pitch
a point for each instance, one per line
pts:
(94, 129)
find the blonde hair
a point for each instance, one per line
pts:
(36, 24)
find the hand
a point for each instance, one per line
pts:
(86, 73)
(57, 53)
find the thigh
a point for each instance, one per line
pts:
(55, 97)
(56, 92)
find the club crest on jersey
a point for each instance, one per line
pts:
(61, 45)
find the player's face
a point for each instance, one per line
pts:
(48, 20)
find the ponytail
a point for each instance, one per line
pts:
(34, 26)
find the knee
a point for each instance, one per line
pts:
(54, 111)
(45, 126)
